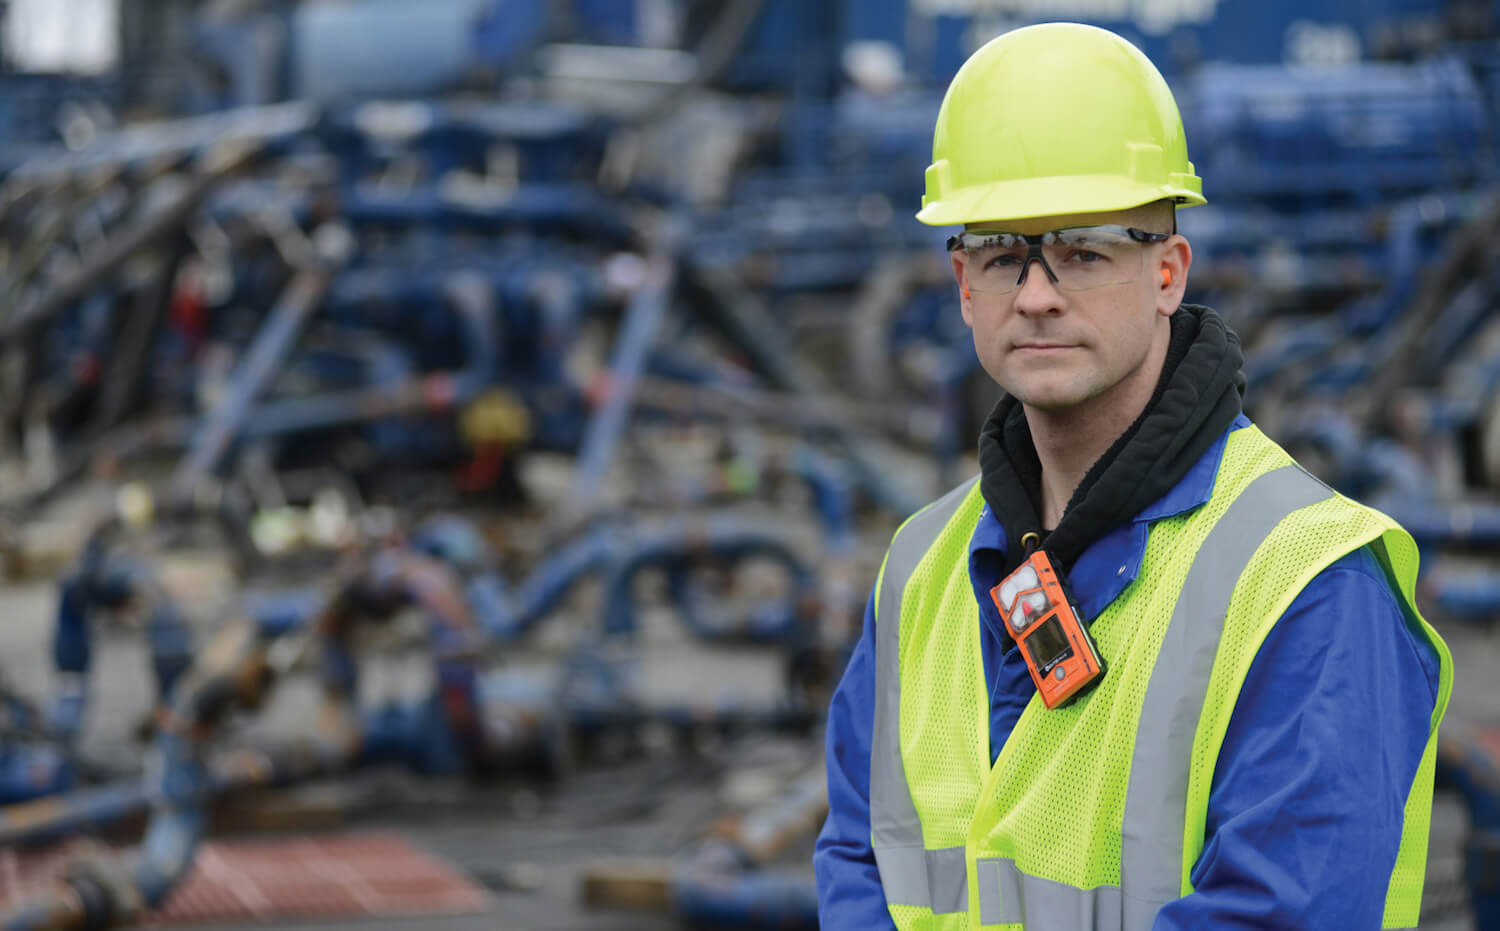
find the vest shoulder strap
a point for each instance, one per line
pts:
(1152, 851)
(910, 874)
(911, 542)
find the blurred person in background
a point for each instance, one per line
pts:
(1222, 711)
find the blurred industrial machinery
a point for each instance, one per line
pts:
(428, 316)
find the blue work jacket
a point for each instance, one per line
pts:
(1306, 808)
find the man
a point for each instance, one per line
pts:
(1258, 751)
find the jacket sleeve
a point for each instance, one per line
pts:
(1306, 808)
(849, 892)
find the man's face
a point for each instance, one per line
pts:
(1054, 348)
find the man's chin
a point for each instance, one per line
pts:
(1051, 397)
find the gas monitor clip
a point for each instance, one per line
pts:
(1060, 655)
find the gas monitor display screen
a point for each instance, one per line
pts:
(1049, 645)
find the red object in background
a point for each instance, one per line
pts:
(329, 876)
(188, 313)
(483, 471)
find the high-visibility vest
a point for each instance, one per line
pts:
(1093, 814)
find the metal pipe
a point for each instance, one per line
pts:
(30, 317)
(549, 583)
(433, 392)
(740, 316)
(502, 612)
(643, 320)
(682, 548)
(170, 142)
(1468, 244)
(264, 357)
(913, 423)
(107, 577)
(78, 812)
(591, 717)
(64, 215)
(714, 882)
(125, 371)
(746, 900)
(232, 671)
(1474, 526)
(1470, 765)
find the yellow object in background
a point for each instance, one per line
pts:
(496, 418)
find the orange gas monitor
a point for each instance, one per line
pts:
(1061, 655)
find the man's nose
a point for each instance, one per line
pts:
(1037, 294)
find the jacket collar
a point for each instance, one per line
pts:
(1196, 485)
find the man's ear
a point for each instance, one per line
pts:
(960, 275)
(1171, 274)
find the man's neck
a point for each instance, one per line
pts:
(1070, 440)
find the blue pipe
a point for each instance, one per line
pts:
(679, 550)
(178, 788)
(416, 734)
(32, 770)
(273, 342)
(72, 655)
(107, 578)
(36, 916)
(1471, 767)
(717, 884)
(505, 612)
(1475, 526)
(643, 320)
(472, 299)
(746, 900)
(833, 497)
(171, 643)
(1407, 223)
(1472, 596)
(278, 613)
(456, 541)
(546, 586)
(82, 811)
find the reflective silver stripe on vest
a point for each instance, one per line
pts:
(1151, 852)
(1007, 895)
(935, 879)
(1156, 799)
(909, 873)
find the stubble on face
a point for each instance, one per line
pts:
(1069, 348)
(1067, 361)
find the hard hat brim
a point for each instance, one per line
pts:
(1049, 197)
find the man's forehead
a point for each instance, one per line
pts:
(1033, 225)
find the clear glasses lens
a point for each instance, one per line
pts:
(1082, 259)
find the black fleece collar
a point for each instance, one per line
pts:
(1196, 399)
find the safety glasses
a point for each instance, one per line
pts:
(1079, 258)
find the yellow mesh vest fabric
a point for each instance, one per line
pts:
(1076, 760)
(945, 732)
(1280, 569)
(911, 918)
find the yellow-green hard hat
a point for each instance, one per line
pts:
(1054, 119)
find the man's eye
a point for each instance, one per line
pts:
(1086, 256)
(1004, 260)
